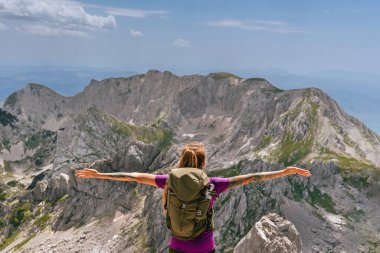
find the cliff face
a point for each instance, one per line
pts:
(140, 122)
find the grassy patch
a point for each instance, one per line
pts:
(166, 139)
(11, 238)
(144, 134)
(265, 141)
(2, 223)
(41, 138)
(274, 89)
(316, 197)
(21, 213)
(63, 198)
(3, 195)
(235, 170)
(11, 100)
(19, 245)
(292, 151)
(223, 75)
(6, 118)
(33, 141)
(345, 163)
(41, 222)
(297, 189)
(256, 79)
(359, 182)
(40, 155)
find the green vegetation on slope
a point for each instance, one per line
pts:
(42, 221)
(146, 134)
(313, 195)
(223, 75)
(265, 141)
(356, 173)
(228, 172)
(256, 79)
(6, 118)
(316, 197)
(292, 150)
(21, 212)
(9, 239)
(6, 144)
(11, 100)
(3, 195)
(19, 245)
(40, 138)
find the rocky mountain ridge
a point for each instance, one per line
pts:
(139, 123)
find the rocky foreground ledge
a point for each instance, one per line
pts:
(271, 233)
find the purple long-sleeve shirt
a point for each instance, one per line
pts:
(204, 242)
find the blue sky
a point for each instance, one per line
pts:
(295, 36)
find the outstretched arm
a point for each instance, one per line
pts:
(143, 178)
(263, 176)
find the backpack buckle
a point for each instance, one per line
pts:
(210, 191)
(183, 206)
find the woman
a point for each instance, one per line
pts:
(193, 156)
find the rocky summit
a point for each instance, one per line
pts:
(271, 233)
(139, 123)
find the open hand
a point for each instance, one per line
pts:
(296, 170)
(87, 173)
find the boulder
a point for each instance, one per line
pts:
(273, 234)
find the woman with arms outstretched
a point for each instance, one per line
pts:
(189, 195)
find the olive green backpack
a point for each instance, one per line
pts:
(188, 197)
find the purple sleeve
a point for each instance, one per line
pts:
(221, 184)
(161, 180)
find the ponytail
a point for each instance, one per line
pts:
(193, 156)
(188, 159)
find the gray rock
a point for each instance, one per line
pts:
(271, 233)
(39, 191)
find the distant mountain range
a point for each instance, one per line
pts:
(65, 80)
(356, 92)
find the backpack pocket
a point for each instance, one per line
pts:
(202, 208)
(182, 217)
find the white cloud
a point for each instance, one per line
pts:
(134, 13)
(55, 15)
(258, 25)
(181, 43)
(47, 31)
(136, 33)
(3, 27)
